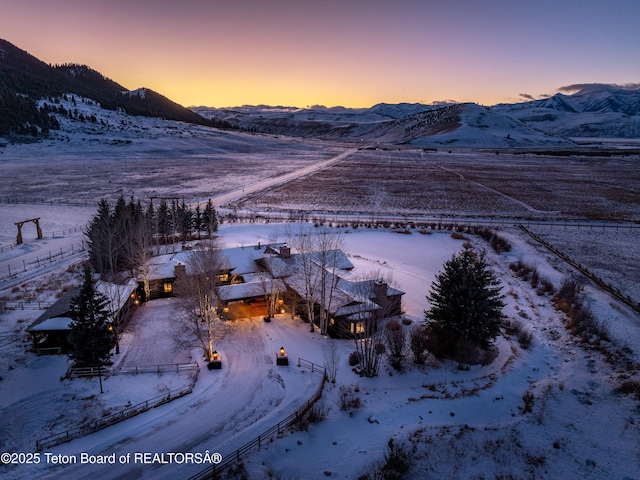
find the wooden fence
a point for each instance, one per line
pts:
(133, 370)
(597, 280)
(125, 413)
(277, 429)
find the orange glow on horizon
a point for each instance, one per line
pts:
(353, 54)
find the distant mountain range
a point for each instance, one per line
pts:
(595, 111)
(600, 111)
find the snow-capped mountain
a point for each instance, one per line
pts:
(408, 124)
(593, 111)
(606, 111)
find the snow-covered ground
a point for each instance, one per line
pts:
(453, 423)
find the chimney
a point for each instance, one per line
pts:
(179, 270)
(285, 251)
(380, 292)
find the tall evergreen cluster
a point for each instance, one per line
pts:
(121, 237)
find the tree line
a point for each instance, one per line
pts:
(121, 237)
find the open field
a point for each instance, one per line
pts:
(463, 424)
(146, 159)
(467, 183)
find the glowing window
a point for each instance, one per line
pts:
(168, 287)
(357, 327)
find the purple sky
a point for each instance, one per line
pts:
(349, 52)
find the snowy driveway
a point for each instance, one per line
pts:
(227, 408)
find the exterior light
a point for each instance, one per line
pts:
(281, 357)
(215, 355)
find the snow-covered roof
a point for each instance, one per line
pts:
(117, 294)
(52, 324)
(241, 291)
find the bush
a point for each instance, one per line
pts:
(528, 399)
(397, 461)
(419, 341)
(348, 398)
(317, 414)
(525, 338)
(630, 387)
(354, 359)
(397, 344)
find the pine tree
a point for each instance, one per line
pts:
(165, 222)
(197, 220)
(99, 238)
(185, 221)
(90, 335)
(466, 304)
(210, 218)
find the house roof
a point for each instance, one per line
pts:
(117, 294)
(58, 324)
(237, 260)
(242, 291)
(59, 309)
(56, 317)
(349, 297)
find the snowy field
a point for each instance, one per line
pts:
(456, 424)
(466, 183)
(550, 411)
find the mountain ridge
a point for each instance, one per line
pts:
(24, 79)
(594, 110)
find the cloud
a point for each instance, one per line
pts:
(595, 87)
(526, 96)
(449, 101)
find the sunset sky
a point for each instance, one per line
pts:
(336, 52)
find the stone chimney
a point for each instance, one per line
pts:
(380, 292)
(179, 270)
(285, 251)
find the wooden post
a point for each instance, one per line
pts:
(38, 229)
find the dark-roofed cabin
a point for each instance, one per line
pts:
(50, 331)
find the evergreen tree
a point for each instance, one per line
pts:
(466, 304)
(165, 222)
(90, 336)
(210, 218)
(100, 237)
(197, 220)
(185, 220)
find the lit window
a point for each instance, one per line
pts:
(168, 287)
(357, 327)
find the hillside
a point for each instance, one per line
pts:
(467, 125)
(593, 112)
(603, 111)
(24, 79)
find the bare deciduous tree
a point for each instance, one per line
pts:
(302, 243)
(197, 291)
(327, 244)
(331, 359)
(319, 261)
(369, 334)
